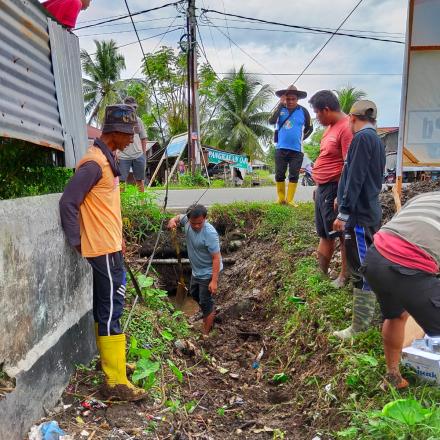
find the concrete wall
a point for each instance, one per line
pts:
(45, 302)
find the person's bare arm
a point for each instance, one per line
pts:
(174, 222)
(276, 113)
(144, 145)
(215, 271)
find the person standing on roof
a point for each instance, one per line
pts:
(359, 210)
(66, 11)
(135, 155)
(293, 125)
(90, 210)
(327, 171)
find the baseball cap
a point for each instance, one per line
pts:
(364, 107)
(120, 118)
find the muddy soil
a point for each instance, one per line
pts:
(408, 192)
(233, 390)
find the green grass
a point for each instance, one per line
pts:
(308, 309)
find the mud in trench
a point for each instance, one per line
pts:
(227, 391)
(231, 370)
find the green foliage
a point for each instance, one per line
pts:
(29, 170)
(102, 86)
(312, 151)
(402, 419)
(347, 96)
(190, 180)
(280, 378)
(218, 183)
(175, 370)
(140, 213)
(145, 373)
(312, 147)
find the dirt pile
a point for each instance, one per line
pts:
(408, 192)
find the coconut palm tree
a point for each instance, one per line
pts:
(347, 96)
(102, 85)
(240, 122)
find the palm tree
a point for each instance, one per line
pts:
(101, 88)
(240, 122)
(347, 96)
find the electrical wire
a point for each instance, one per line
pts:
(242, 50)
(320, 74)
(131, 15)
(144, 39)
(165, 202)
(155, 47)
(127, 31)
(327, 42)
(124, 24)
(318, 30)
(229, 35)
(314, 27)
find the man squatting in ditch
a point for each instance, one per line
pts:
(204, 254)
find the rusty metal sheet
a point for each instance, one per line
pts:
(28, 103)
(41, 96)
(68, 83)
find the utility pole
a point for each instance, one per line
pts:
(194, 146)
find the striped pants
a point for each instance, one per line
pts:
(357, 241)
(108, 292)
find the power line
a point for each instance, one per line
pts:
(205, 25)
(111, 20)
(122, 24)
(229, 35)
(242, 50)
(276, 30)
(127, 31)
(314, 27)
(328, 41)
(317, 74)
(323, 31)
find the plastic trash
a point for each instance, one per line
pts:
(51, 431)
(47, 431)
(257, 360)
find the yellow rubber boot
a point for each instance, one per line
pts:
(291, 190)
(281, 192)
(112, 350)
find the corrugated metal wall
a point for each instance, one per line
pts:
(67, 72)
(34, 103)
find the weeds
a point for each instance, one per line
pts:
(140, 213)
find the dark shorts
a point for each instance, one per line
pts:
(137, 165)
(287, 158)
(201, 294)
(400, 289)
(357, 240)
(108, 292)
(325, 213)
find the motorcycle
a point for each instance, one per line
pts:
(307, 179)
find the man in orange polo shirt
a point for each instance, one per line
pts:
(90, 211)
(327, 171)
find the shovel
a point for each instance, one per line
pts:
(181, 288)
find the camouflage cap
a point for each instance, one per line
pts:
(129, 100)
(120, 118)
(364, 107)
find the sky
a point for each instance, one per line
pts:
(272, 52)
